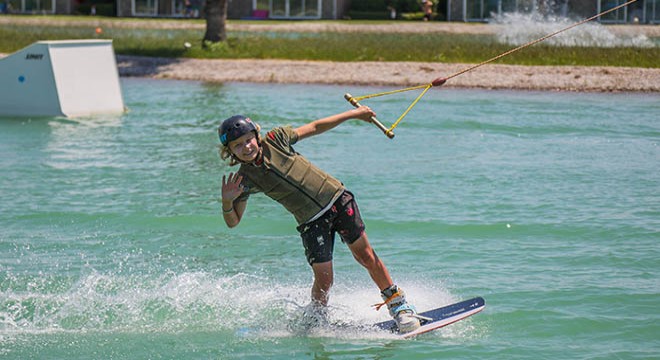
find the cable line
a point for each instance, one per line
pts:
(441, 80)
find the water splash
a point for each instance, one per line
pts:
(190, 301)
(517, 29)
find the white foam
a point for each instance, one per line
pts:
(517, 29)
(197, 301)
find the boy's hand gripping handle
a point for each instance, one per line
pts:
(373, 119)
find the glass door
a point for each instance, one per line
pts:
(617, 16)
(312, 8)
(295, 9)
(30, 6)
(145, 7)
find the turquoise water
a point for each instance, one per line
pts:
(545, 204)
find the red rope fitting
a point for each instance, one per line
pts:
(439, 81)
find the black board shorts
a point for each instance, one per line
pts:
(318, 236)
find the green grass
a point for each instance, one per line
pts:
(332, 46)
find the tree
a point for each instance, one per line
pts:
(216, 16)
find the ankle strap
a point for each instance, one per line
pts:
(387, 301)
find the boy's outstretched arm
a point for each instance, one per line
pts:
(322, 125)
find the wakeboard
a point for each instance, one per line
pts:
(438, 318)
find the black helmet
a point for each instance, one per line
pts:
(235, 127)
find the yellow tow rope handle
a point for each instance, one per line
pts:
(373, 119)
(386, 131)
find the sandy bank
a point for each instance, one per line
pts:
(565, 78)
(492, 76)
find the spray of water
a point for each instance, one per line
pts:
(517, 28)
(244, 304)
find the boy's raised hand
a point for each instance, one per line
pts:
(231, 187)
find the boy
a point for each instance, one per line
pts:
(318, 201)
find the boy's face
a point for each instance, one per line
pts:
(245, 148)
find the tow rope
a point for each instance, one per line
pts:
(389, 132)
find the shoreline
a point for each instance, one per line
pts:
(491, 76)
(404, 74)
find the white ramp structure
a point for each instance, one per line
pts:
(61, 78)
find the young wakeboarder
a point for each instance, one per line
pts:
(321, 205)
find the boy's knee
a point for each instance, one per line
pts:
(367, 258)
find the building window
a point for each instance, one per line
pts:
(31, 6)
(145, 7)
(295, 9)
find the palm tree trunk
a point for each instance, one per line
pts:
(216, 16)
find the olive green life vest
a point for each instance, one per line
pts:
(289, 178)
